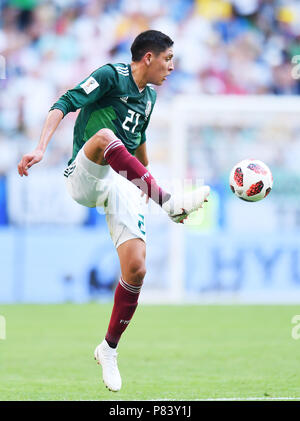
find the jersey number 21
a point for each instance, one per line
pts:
(130, 119)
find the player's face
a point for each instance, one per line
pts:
(160, 67)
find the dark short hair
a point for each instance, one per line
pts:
(154, 41)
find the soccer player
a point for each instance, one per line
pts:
(108, 168)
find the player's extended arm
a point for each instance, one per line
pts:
(52, 121)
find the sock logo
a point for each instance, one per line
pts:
(147, 175)
(125, 322)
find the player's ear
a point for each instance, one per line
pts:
(148, 58)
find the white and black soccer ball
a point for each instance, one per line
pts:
(251, 180)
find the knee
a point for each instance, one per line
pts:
(136, 272)
(103, 137)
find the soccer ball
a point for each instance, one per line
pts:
(251, 180)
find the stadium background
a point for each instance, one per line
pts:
(53, 250)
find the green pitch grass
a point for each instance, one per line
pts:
(167, 353)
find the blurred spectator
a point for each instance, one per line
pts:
(221, 47)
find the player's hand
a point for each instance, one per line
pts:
(147, 197)
(28, 160)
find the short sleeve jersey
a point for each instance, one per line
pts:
(109, 98)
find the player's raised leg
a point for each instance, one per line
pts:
(104, 147)
(132, 255)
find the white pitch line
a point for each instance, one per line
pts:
(233, 399)
(252, 399)
(259, 398)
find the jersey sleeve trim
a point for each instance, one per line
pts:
(59, 106)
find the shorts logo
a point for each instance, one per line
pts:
(148, 108)
(69, 170)
(89, 85)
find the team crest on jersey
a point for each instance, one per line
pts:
(148, 108)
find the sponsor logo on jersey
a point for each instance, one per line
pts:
(89, 85)
(124, 99)
(148, 108)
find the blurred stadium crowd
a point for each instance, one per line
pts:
(221, 47)
(241, 47)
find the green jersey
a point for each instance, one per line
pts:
(109, 98)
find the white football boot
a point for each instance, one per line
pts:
(107, 358)
(178, 207)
